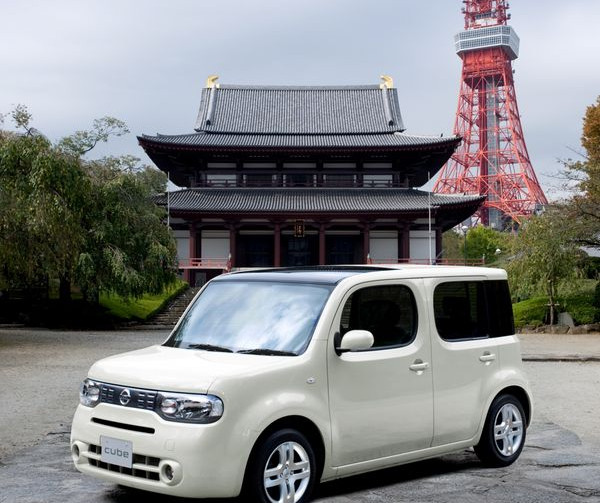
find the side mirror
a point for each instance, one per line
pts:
(355, 340)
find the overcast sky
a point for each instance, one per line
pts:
(146, 62)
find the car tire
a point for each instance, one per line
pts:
(283, 464)
(503, 434)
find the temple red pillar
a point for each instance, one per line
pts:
(366, 243)
(322, 244)
(405, 243)
(232, 245)
(438, 242)
(192, 252)
(277, 251)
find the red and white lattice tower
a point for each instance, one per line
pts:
(492, 159)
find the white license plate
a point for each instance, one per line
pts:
(116, 452)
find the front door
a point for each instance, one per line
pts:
(381, 399)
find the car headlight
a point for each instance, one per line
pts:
(189, 408)
(89, 393)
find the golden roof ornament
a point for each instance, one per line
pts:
(211, 81)
(387, 82)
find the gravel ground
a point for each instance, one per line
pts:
(40, 372)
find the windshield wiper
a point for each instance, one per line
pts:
(209, 347)
(266, 351)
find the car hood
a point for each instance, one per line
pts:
(173, 369)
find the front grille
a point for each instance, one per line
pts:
(123, 426)
(138, 398)
(144, 467)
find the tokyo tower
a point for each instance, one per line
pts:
(492, 159)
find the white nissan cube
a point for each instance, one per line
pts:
(275, 380)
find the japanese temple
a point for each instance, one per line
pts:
(286, 176)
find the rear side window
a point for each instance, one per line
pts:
(473, 310)
(389, 312)
(499, 308)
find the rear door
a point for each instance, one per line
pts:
(465, 357)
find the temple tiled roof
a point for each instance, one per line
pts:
(299, 110)
(312, 200)
(394, 141)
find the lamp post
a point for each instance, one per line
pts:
(464, 230)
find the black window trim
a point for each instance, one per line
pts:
(338, 335)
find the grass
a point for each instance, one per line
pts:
(578, 303)
(143, 308)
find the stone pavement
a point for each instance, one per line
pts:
(560, 347)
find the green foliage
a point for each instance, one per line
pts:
(596, 302)
(130, 250)
(81, 142)
(452, 245)
(41, 197)
(88, 222)
(530, 312)
(579, 302)
(584, 207)
(544, 257)
(485, 242)
(480, 242)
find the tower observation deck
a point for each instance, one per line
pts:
(492, 159)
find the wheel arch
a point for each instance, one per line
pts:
(303, 425)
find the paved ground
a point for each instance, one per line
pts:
(40, 372)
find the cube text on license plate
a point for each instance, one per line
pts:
(116, 452)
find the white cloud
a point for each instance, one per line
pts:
(146, 61)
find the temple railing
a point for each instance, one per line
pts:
(225, 182)
(425, 261)
(203, 263)
(222, 262)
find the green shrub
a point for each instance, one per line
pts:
(530, 312)
(580, 301)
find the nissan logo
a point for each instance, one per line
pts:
(125, 397)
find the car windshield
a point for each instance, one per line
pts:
(252, 317)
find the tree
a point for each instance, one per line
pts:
(91, 222)
(584, 207)
(544, 256)
(41, 198)
(484, 242)
(129, 250)
(480, 242)
(81, 142)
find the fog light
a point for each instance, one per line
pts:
(170, 472)
(76, 449)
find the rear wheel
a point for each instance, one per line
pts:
(504, 432)
(283, 469)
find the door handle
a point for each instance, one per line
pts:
(487, 357)
(419, 366)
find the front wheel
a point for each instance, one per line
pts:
(283, 470)
(503, 434)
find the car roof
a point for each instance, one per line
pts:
(333, 274)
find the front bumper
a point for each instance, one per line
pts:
(199, 461)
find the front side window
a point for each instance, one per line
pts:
(389, 312)
(259, 317)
